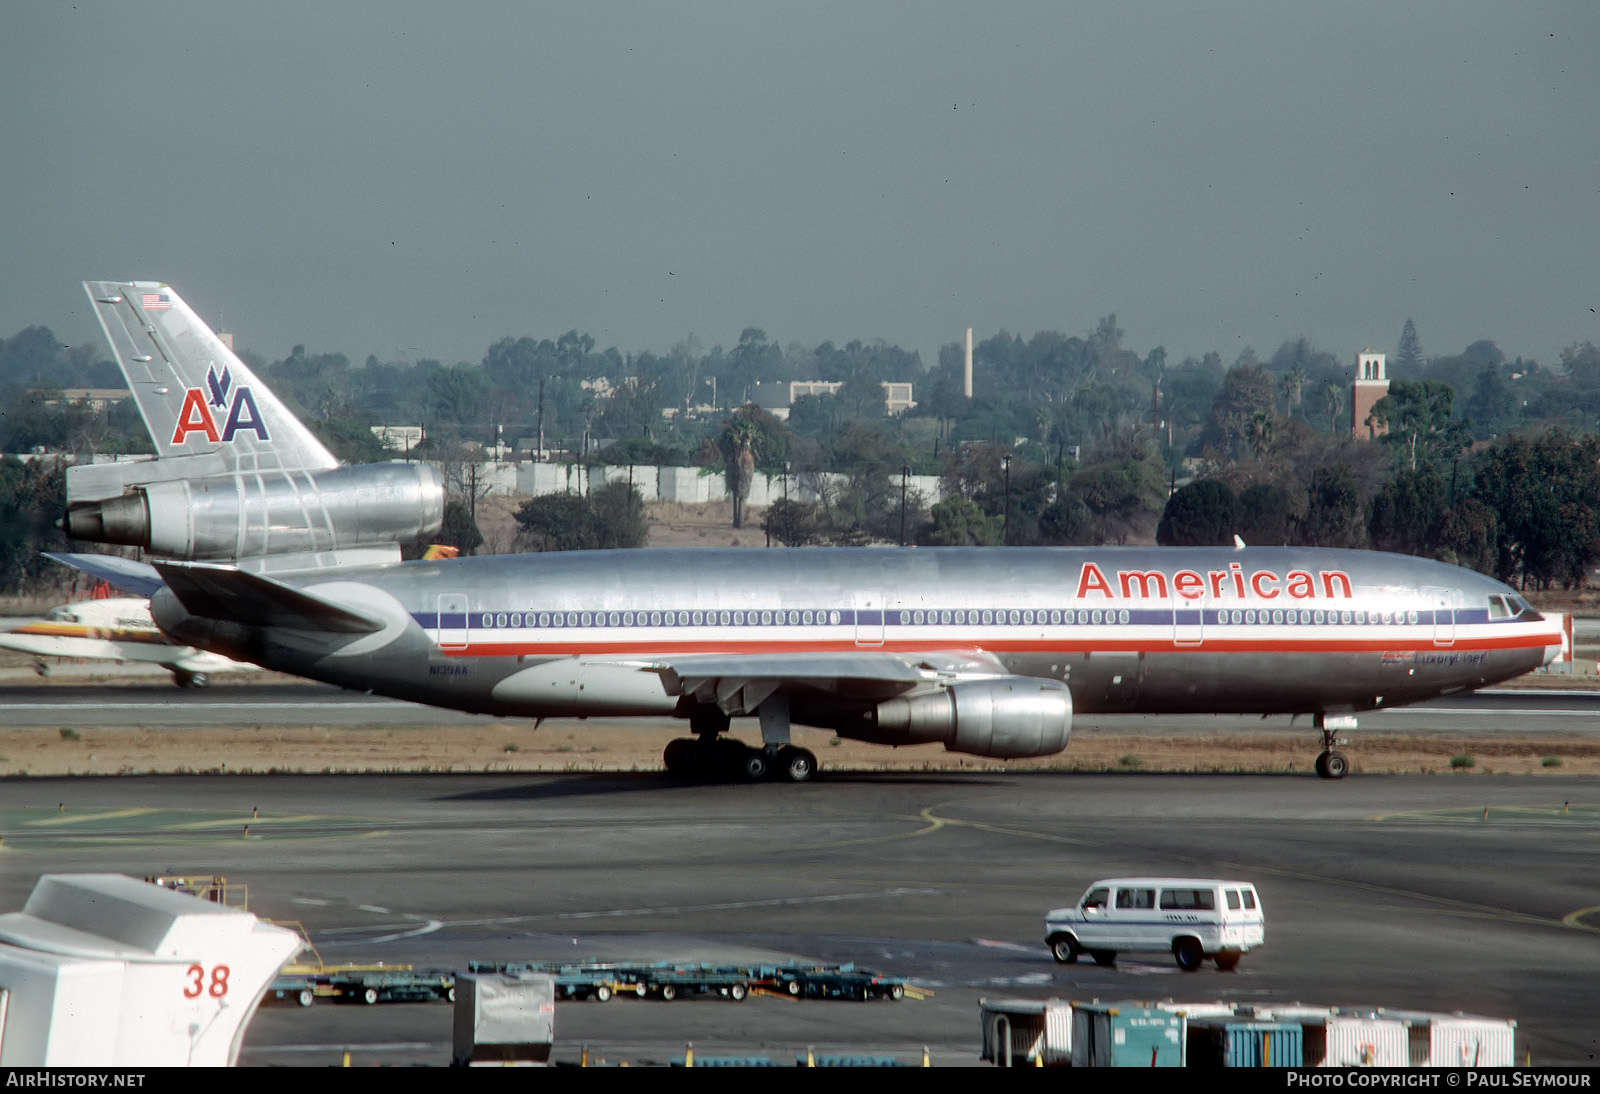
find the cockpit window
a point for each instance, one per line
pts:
(1513, 606)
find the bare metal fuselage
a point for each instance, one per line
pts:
(1135, 630)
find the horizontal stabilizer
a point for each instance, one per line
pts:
(130, 575)
(233, 595)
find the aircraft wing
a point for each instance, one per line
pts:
(130, 575)
(228, 593)
(742, 681)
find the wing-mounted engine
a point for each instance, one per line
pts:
(1007, 717)
(266, 513)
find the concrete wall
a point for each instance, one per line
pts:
(689, 485)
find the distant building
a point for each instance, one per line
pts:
(97, 397)
(776, 397)
(398, 438)
(1370, 385)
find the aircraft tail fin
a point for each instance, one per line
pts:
(205, 409)
(238, 596)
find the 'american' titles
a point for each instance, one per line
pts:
(1233, 581)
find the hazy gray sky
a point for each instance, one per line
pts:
(417, 180)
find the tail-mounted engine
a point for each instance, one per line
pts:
(1008, 718)
(268, 512)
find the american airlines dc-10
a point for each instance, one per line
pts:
(273, 553)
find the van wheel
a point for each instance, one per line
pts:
(1228, 960)
(1188, 953)
(1103, 957)
(1065, 951)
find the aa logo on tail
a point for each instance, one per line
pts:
(196, 414)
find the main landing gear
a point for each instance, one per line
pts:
(1331, 764)
(709, 756)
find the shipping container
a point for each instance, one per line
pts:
(1457, 1040)
(1038, 1031)
(1126, 1035)
(1234, 1042)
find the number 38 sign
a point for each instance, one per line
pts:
(197, 983)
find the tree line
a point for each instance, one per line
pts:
(1067, 438)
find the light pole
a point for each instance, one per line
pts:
(1005, 534)
(905, 473)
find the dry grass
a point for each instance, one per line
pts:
(558, 747)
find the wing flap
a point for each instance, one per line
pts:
(740, 682)
(234, 595)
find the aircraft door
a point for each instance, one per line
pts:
(1188, 621)
(869, 619)
(452, 632)
(1443, 603)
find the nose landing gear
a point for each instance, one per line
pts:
(1331, 764)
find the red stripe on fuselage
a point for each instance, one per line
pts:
(1211, 645)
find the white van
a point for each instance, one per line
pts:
(1190, 918)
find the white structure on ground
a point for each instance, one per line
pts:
(102, 970)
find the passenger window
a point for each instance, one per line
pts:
(1097, 898)
(1250, 899)
(1136, 898)
(1233, 900)
(1188, 899)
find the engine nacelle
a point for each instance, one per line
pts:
(1007, 718)
(269, 512)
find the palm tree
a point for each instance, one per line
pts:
(1259, 431)
(1333, 399)
(1291, 384)
(738, 450)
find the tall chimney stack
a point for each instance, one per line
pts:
(966, 380)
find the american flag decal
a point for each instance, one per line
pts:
(156, 301)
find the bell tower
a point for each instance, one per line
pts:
(1370, 385)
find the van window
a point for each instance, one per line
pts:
(1136, 898)
(1203, 899)
(1097, 898)
(1250, 899)
(1233, 899)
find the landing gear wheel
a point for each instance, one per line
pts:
(682, 757)
(795, 765)
(737, 992)
(185, 679)
(1189, 955)
(1104, 957)
(1228, 960)
(753, 765)
(1332, 765)
(1065, 951)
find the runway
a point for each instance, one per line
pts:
(1393, 890)
(157, 703)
